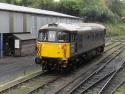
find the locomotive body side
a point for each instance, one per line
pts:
(61, 45)
(89, 40)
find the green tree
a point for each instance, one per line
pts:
(43, 4)
(116, 6)
(71, 7)
(18, 2)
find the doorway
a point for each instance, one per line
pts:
(8, 44)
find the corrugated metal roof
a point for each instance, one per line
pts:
(24, 36)
(11, 7)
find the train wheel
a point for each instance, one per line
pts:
(38, 61)
(44, 65)
(102, 49)
(99, 50)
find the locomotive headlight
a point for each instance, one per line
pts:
(43, 45)
(60, 46)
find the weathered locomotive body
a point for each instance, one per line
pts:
(61, 45)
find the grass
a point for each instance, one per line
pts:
(123, 54)
(121, 90)
(115, 29)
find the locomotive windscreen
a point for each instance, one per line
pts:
(53, 36)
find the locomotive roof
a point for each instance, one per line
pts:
(74, 27)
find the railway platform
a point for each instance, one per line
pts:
(12, 68)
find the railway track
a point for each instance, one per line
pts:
(112, 82)
(90, 77)
(109, 43)
(39, 89)
(110, 46)
(95, 77)
(29, 86)
(119, 79)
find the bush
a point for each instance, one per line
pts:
(94, 14)
(115, 29)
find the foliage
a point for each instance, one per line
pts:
(94, 14)
(114, 29)
(17, 2)
(71, 7)
(98, 10)
(91, 10)
(116, 7)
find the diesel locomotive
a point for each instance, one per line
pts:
(61, 45)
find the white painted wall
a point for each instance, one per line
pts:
(34, 25)
(18, 22)
(33, 21)
(29, 22)
(4, 22)
(39, 24)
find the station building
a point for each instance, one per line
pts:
(18, 23)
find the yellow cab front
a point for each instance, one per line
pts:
(53, 45)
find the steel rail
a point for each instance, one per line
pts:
(112, 47)
(40, 87)
(13, 86)
(109, 43)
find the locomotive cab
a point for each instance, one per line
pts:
(53, 44)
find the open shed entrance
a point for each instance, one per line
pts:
(8, 44)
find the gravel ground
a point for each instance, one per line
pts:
(13, 67)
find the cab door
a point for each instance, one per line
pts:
(73, 47)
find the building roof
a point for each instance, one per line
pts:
(10, 7)
(27, 36)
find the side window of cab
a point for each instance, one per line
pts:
(72, 37)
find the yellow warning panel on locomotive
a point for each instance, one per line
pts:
(53, 50)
